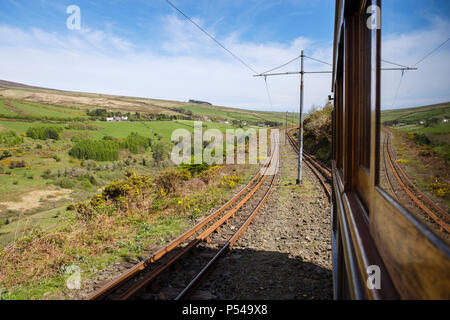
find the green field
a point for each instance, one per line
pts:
(425, 124)
(43, 181)
(63, 105)
(48, 167)
(437, 111)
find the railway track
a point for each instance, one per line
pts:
(427, 206)
(174, 271)
(322, 172)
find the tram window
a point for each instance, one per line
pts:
(365, 66)
(338, 109)
(413, 105)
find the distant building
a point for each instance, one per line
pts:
(199, 102)
(117, 119)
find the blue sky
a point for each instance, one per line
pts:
(144, 48)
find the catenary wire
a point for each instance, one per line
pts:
(433, 51)
(209, 35)
(285, 64)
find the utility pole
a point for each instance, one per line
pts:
(300, 117)
(285, 127)
(300, 129)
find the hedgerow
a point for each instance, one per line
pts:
(136, 143)
(101, 150)
(10, 139)
(44, 132)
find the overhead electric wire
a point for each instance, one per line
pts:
(209, 35)
(403, 71)
(433, 51)
(318, 60)
(296, 58)
(268, 93)
(393, 63)
(398, 89)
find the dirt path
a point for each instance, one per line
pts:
(286, 252)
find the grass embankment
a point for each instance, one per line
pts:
(48, 165)
(422, 143)
(424, 164)
(317, 134)
(117, 224)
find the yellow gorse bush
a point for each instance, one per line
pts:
(230, 181)
(440, 189)
(129, 188)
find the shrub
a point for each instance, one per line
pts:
(6, 154)
(169, 181)
(81, 126)
(127, 189)
(230, 181)
(195, 169)
(102, 150)
(65, 183)
(158, 153)
(47, 174)
(136, 143)
(44, 132)
(80, 136)
(17, 164)
(440, 189)
(421, 138)
(10, 139)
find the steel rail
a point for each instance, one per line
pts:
(321, 167)
(228, 245)
(400, 175)
(113, 284)
(386, 168)
(203, 236)
(311, 163)
(413, 186)
(135, 270)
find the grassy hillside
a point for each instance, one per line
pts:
(425, 125)
(21, 102)
(434, 112)
(39, 177)
(58, 155)
(422, 143)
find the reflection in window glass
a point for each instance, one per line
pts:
(415, 112)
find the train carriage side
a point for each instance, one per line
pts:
(373, 235)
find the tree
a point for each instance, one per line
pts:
(158, 153)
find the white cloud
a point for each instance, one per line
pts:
(427, 85)
(189, 65)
